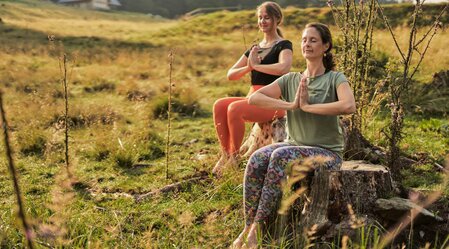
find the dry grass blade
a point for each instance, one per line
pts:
(297, 171)
(167, 146)
(287, 202)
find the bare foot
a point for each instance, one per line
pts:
(251, 239)
(238, 243)
(217, 170)
(233, 161)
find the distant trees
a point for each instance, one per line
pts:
(174, 8)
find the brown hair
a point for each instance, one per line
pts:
(274, 11)
(326, 37)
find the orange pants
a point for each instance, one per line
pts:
(230, 115)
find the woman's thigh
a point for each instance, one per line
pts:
(284, 155)
(252, 113)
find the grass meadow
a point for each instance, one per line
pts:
(118, 89)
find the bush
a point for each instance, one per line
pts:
(152, 152)
(191, 110)
(124, 159)
(432, 98)
(32, 143)
(101, 87)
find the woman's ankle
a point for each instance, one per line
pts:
(240, 240)
(252, 240)
(221, 163)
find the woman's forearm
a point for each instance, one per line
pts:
(261, 100)
(334, 108)
(273, 69)
(237, 73)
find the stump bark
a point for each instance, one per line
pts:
(357, 183)
(325, 205)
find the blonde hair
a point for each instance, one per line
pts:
(274, 11)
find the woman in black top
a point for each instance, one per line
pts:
(268, 60)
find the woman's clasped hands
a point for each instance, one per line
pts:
(302, 95)
(254, 59)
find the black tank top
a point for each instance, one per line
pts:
(259, 78)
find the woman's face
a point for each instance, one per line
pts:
(312, 45)
(265, 22)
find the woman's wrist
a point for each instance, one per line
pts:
(292, 106)
(255, 67)
(248, 68)
(305, 108)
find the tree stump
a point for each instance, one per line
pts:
(357, 183)
(325, 205)
(263, 134)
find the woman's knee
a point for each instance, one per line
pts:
(257, 158)
(237, 109)
(280, 153)
(220, 105)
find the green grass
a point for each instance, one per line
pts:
(117, 91)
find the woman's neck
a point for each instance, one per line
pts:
(315, 69)
(270, 38)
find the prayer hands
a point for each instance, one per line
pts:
(302, 95)
(253, 58)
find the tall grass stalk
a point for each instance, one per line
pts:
(12, 170)
(244, 37)
(63, 68)
(170, 84)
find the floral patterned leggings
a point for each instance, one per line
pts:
(264, 172)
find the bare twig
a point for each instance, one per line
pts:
(391, 30)
(170, 188)
(434, 27)
(12, 170)
(436, 23)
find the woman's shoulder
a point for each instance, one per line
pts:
(285, 44)
(337, 77)
(336, 74)
(292, 75)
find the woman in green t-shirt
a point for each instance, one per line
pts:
(313, 100)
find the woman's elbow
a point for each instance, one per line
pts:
(230, 76)
(285, 69)
(349, 108)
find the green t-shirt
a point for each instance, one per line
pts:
(310, 129)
